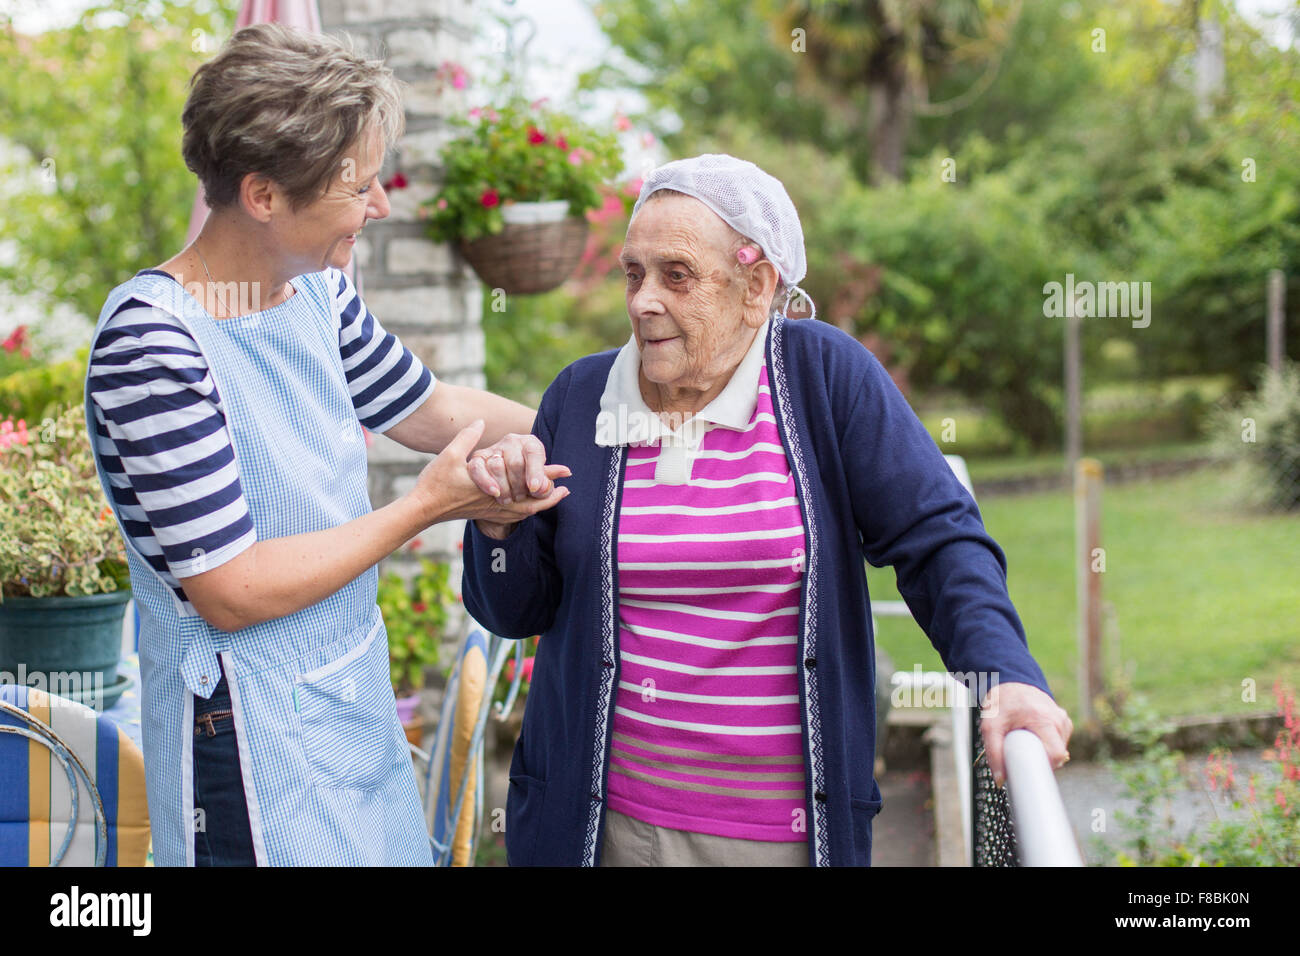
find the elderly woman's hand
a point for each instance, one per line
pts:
(446, 490)
(512, 471)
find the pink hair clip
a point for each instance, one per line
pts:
(747, 255)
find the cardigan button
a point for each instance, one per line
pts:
(596, 797)
(607, 663)
(820, 796)
(810, 663)
(203, 679)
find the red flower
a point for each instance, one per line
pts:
(396, 181)
(17, 339)
(536, 136)
(561, 143)
(528, 669)
(490, 198)
(419, 607)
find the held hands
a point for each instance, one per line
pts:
(497, 487)
(513, 471)
(1014, 706)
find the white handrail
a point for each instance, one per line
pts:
(1043, 833)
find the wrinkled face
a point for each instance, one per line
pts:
(687, 313)
(323, 233)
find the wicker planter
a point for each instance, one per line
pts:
(529, 256)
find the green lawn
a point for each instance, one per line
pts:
(1204, 597)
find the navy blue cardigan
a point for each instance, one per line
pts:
(871, 482)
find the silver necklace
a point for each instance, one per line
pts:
(211, 281)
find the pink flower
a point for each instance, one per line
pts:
(17, 339)
(748, 255)
(1279, 797)
(647, 140)
(490, 198)
(634, 187)
(537, 104)
(442, 203)
(575, 157)
(455, 72)
(561, 143)
(621, 122)
(475, 113)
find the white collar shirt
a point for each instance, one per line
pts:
(625, 419)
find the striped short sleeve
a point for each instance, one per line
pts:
(165, 445)
(386, 380)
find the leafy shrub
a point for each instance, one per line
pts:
(40, 392)
(57, 532)
(1262, 434)
(415, 614)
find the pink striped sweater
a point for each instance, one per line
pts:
(706, 733)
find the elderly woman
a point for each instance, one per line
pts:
(703, 689)
(226, 392)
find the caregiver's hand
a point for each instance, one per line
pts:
(500, 495)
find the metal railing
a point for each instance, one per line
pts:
(1023, 824)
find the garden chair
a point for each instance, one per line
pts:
(71, 785)
(454, 778)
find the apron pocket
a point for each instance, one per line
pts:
(348, 718)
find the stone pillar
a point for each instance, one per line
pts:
(420, 291)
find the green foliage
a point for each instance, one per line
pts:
(95, 111)
(1263, 828)
(39, 392)
(518, 153)
(57, 533)
(1071, 160)
(1261, 434)
(415, 615)
(534, 337)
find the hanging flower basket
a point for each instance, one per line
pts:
(515, 192)
(536, 250)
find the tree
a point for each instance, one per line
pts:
(94, 112)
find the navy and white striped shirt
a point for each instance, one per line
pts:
(164, 441)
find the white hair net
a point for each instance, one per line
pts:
(753, 203)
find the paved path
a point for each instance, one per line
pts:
(1093, 796)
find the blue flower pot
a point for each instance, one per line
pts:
(57, 637)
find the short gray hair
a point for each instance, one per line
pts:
(740, 271)
(286, 104)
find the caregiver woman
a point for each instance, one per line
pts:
(226, 392)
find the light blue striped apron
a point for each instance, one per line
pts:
(327, 774)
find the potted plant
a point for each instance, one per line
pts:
(515, 192)
(415, 615)
(64, 582)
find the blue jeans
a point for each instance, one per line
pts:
(222, 835)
